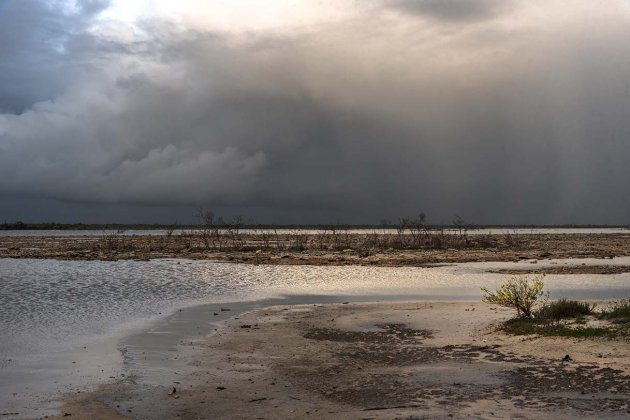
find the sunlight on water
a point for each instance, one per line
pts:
(46, 304)
(54, 314)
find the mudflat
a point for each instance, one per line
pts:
(378, 360)
(312, 249)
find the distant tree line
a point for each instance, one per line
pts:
(208, 219)
(14, 226)
(19, 225)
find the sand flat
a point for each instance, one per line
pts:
(379, 360)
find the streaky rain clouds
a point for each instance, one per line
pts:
(502, 112)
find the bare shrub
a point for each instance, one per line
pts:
(233, 232)
(299, 241)
(114, 241)
(211, 229)
(265, 237)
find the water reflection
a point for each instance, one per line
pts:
(61, 321)
(47, 305)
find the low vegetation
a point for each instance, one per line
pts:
(619, 311)
(560, 318)
(414, 233)
(563, 309)
(531, 326)
(409, 242)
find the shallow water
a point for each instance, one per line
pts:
(60, 321)
(47, 304)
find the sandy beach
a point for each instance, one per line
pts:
(376, 360)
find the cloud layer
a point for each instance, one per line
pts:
(458, 11)
(502, 112)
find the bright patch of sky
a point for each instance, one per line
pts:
(232, 15)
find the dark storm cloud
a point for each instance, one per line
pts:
(452, 10)
(352, 121)
(35, 35)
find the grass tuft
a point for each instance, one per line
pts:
(564, 309)
(528, 326)
(620, 311)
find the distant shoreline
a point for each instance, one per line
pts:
(326, 248)
(156, 226)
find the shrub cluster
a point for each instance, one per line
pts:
(522, 294)
(619, 310)
(563, 309)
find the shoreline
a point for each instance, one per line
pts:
(310, 249)
(377, 360)
(175, 360)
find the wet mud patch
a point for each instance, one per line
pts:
(391, 333)
(394, 368)
(586, 387)
(572, 269)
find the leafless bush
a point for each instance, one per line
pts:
(114, 241)
(299, 241)
(513, 240)
(346, 239)
(401, 229)
(211, 229)
(280, 246)
(334, 237)
(322, 239)
(461, 227)
(167, 239)
(264, 235)
(416, 229)
(233, 232)
(413, 233)
(372, 241)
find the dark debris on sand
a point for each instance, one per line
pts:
(529, 382)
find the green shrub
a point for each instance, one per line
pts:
(519, 293)
(563, 309)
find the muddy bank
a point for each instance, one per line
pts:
(351, 249)
(383, 360)
(578, 269)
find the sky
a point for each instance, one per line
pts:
(315, 111)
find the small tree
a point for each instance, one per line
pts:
(519, 293)
(460, 225)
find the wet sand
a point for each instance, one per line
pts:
(572, 269)
(376, 360)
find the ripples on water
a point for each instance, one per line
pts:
(49, 309)
(47, 304)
